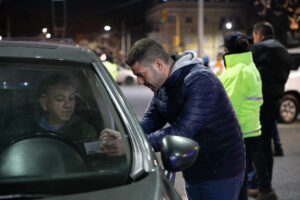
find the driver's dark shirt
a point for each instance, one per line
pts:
(77, 129)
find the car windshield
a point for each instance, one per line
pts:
(51, 115)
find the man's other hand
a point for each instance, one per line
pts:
(112, 143)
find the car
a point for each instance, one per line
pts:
(289, 107)
(125, 76)
(55, 163)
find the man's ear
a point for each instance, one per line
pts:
(43, 102)
(261, 36)
(158, 65)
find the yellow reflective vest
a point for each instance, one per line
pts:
(112, 68)
(243, 85)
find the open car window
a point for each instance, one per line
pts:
(51, 136)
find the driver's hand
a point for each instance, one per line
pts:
(112, 143)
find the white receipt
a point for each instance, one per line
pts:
(93, 147)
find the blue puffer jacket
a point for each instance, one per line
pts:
(195, 104)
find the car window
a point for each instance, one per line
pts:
(51, 114)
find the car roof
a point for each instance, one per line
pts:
(38, 50)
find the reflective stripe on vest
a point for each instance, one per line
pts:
(254, 98)
(252, 132)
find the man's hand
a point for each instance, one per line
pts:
(112, 143)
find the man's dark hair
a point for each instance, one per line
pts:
(52, 80)
(145, 51)
(265, 28)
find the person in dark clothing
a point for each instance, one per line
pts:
(205, 61)
(272, 61)
(192, 100)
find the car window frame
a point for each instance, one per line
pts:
(143, 159)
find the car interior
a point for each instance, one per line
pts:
(18, 87)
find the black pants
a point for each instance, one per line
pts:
(268, 116)
(255, 155)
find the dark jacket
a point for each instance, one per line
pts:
(195, 104)
(272, 61)
(76, 130)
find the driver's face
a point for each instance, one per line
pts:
(59, 104)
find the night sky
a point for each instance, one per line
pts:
(28, 17)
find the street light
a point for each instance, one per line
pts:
(48, 35)
(44, 30)
(0, 37)
(107, 28)
(103, 57)
(228, 25)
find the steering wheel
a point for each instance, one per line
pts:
(40, 154)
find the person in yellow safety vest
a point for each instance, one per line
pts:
(111, 67)
(243, 86)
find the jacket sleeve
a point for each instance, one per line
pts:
(200, 93)
(152, 119)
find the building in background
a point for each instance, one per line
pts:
(174, 23)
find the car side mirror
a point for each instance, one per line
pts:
(178, 153)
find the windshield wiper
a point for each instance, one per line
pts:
(24, 196)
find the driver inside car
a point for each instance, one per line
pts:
(55, 114)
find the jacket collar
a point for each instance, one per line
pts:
(184, 59)
(233, 59)
(181, 62)
(267, 38)
(173, 78)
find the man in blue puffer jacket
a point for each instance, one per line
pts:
(192, 100)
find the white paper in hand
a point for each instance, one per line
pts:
(93, 147)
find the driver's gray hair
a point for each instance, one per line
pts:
(145, 51)
(53, 80)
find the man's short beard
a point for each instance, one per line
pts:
(159, 79)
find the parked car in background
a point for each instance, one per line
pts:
(40, 164)
(290, 102)
(125, 76)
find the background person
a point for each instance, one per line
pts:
(205, 61)
(272, 61)
(218, 65)
(243, 85)
(192, 100)
(111, 66)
